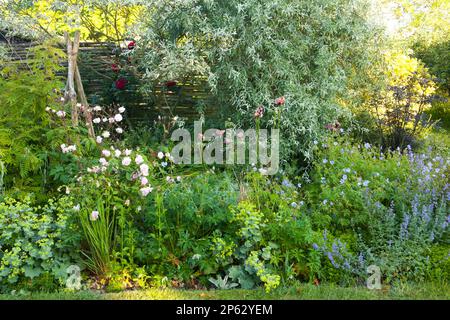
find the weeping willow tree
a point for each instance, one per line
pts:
(252, 52)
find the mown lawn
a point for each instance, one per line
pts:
(427, 291)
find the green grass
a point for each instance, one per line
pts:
(425, 291)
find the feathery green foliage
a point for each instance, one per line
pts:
(28, 87)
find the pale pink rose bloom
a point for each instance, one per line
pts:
(144, 181)
(139, 159)
(94, 215)
(144, 169)
(126, 161)
(106, 153)
(145, 191)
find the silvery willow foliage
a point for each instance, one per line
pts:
(253, 52)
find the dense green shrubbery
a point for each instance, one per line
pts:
(252, 52)
(388, 209)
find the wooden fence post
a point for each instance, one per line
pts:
(86, 110)
(70, 94)
(74, 79)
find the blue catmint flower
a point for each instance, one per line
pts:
(404, 227)
(347, 265)
(330, 257)
(361, 259)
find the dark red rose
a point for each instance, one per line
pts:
(171, 84)
(121, 83)
(131, 45)
(115, 67)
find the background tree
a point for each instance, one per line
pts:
(253, 52)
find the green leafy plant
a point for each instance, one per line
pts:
(38, 243)
(28, 92)
(222, 283)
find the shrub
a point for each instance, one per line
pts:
(399, 109)
(253, 52)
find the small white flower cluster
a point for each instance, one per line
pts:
(59, 113)
(117, 118)
(169, 179)
(142, 174)
(68, 149)
(166, 156)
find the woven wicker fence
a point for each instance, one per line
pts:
(185, 99)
